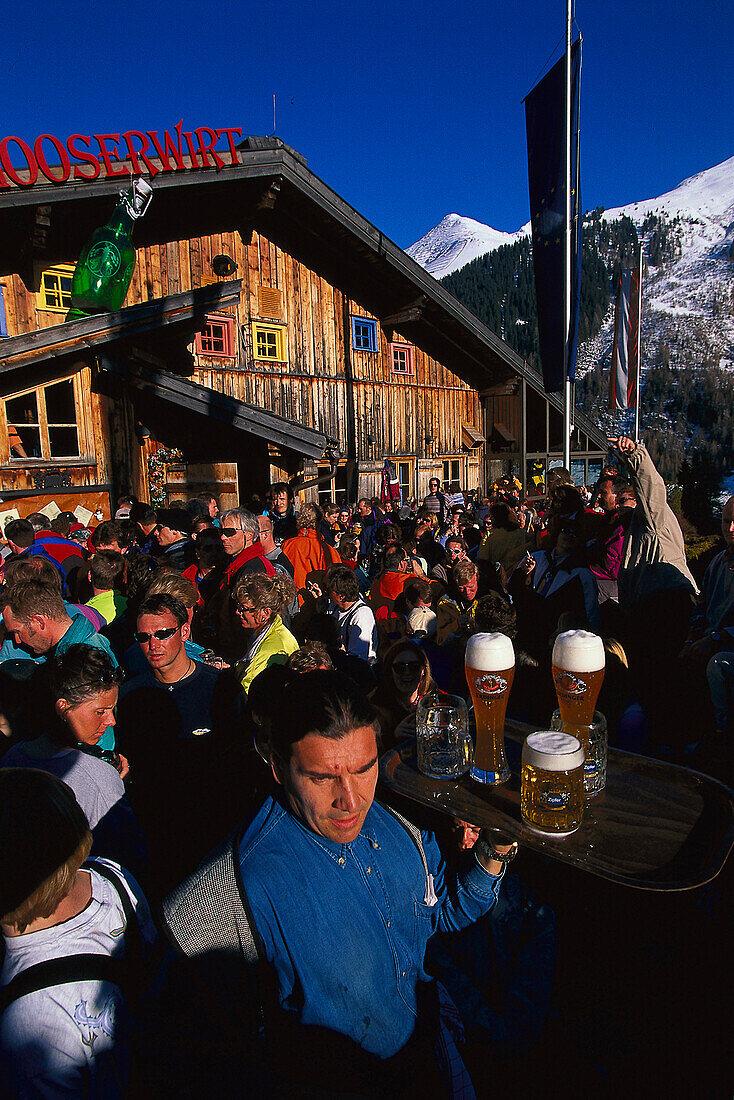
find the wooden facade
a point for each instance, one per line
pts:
(418, 380)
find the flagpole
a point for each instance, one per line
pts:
(567, 424)
(639, 352)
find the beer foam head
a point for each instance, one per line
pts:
(489, 652)
(552, 751)
(579, 651)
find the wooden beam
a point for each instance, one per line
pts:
(73, 337)
(411, 312)
(219, 406)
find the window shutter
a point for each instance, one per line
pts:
(270, 302)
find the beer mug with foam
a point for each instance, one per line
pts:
(552, 782)
(489, 664)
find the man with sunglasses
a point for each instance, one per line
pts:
(219, 627)
(455, 551)
(177, 720)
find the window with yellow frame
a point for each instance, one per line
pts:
(54, 292)
(268, 342)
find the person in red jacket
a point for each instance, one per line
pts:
(220, 628)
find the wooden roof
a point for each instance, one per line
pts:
(274, 191)
(74, 338)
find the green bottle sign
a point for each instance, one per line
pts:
(104, 269)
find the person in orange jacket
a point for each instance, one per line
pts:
(308, 551)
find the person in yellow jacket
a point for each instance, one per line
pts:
(260, 599)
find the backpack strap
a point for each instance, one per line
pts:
(63, 971)
(414, 832)
(128, 973)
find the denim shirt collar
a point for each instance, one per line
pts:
(338, 852)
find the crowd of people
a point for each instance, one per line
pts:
(177, 676)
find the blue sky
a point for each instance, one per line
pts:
(410, 111)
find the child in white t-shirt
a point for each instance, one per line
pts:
(76, 940)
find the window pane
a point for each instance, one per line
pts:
(63, 442)
(578, 470)
(60, 408)
(22, 410)
(30, 439)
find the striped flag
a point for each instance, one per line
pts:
(625, 366)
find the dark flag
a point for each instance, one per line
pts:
(545, 124)
(625, 367)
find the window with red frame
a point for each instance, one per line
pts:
(402, 358)
(217, 338)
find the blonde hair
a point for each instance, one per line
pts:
(46, 838)
(611, 645)
(463, 571)
(308, 517)
(46, 898)
(173, 584)
(273, 593)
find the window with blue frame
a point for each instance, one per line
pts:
(364, 334)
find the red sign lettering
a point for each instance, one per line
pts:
(85, 157)
(8, 164)
(132, 153)
(65, 163)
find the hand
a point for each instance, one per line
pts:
(122, 766)
(417, 568)
(622, 444)
(499, 842)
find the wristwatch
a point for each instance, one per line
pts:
(485, 846)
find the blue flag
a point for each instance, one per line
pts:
(545, 124)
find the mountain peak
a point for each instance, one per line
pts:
(455, 242)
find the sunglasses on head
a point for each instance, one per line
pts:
(159, 635)
(228, 531)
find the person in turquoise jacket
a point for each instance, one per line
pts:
(36, 618)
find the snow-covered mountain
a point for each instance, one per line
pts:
(688, 294)
(688, 291)
(455, 242)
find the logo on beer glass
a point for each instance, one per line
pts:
(490, 684)
(568, 684)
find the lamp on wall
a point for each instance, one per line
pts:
(223, 266)
(429, 440)
(371, 439)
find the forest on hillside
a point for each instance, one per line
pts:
(686, 414)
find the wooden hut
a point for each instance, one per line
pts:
(270, 332)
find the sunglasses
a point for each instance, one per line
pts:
(159, 635)
(406, 666)
(227, 532)
(242, 611)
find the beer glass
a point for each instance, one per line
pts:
(443, 742)
(594, 741)
(489, 663)
(578, 670)
(552, 784)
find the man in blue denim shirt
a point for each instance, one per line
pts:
(341, 898)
